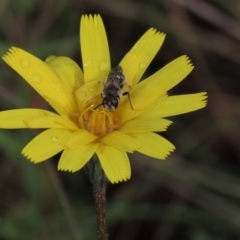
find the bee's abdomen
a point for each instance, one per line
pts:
(112, 90)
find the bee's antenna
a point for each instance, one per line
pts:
(98, 106)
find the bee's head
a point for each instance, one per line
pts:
(110, 103)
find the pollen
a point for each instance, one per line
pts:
(98, 121)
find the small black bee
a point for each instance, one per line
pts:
(112, 89)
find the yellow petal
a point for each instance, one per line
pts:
(126, 113)
(154, 88)
(73, 160)
(153, 145)
(121, 141)
(50, 122)
(115, 163)
(42, 78)
(68, 71)
(33, 118)
(45, 145)
(139, 125)
(176, 105)
(16, 118)
(62, 109)
(136, 61)
(94, 48)
(86, 92)
(78, 139)
(170, 75)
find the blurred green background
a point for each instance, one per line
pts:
(195, 193)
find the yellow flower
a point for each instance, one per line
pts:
(78, 128)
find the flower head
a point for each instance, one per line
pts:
(82, 126)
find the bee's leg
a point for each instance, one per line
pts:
(103, 83)
(129, 98)
(126, 84)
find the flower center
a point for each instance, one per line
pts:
(98, 121)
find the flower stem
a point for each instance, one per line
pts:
(99, 181)
(99, 192)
